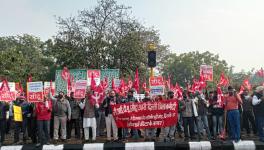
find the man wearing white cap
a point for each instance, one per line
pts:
(258, 104)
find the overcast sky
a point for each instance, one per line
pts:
(234, 29)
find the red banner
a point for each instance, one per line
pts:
(146, 114)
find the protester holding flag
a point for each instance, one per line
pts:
(4, 107)
(75, 117)
(62, 112)
(258, 105)
(21, 107)
(89, 116)
(248, 115)
(43, 113)
(109, 119)
(232, 102)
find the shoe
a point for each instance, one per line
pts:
(108, 141)
(180, 136)
(63, 140)
(48, 143)
(38, 144)
(55, 142)
(93, 141)
(237, 141)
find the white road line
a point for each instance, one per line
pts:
(244, 145)
(140, 146)
(93, 146)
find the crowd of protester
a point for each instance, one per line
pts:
(200, 116)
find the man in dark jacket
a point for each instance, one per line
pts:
(248, 115)
(20, 124)
(4, 107)
(75, 117)
(258, 104)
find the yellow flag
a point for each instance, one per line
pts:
(17, 113)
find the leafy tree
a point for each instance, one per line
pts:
(21, 56)
(104, 37)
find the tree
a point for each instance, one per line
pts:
(21, 56)
(185, 67)
(104, 37)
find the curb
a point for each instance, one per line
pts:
(203, 145)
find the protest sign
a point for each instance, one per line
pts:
(47, 88)
(207, 72)
(80, 89)
(35, 91)
(8, 91)
(146, 114)
(17, 113)
(156, 85)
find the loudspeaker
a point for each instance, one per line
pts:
(152, 58)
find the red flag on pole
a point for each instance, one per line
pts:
(223, 80)
(241, 89)
(136, 81)
(93, 83)
(202, 81)
(247, 84)
(29, 78)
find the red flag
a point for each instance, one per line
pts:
(122, 87)
(247, 84)
(29, 78)
(223, 80)
(130, 83)
(93, 83)
(5, 86)
(241, 89)
(144, 85)
(136, 81)
(196, 86)
(202, 81)
(65, 74)
(113, 83)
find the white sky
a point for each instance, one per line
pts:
(234, 29)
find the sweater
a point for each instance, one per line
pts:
(43, 112)
(89, 109)
(232, 103)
